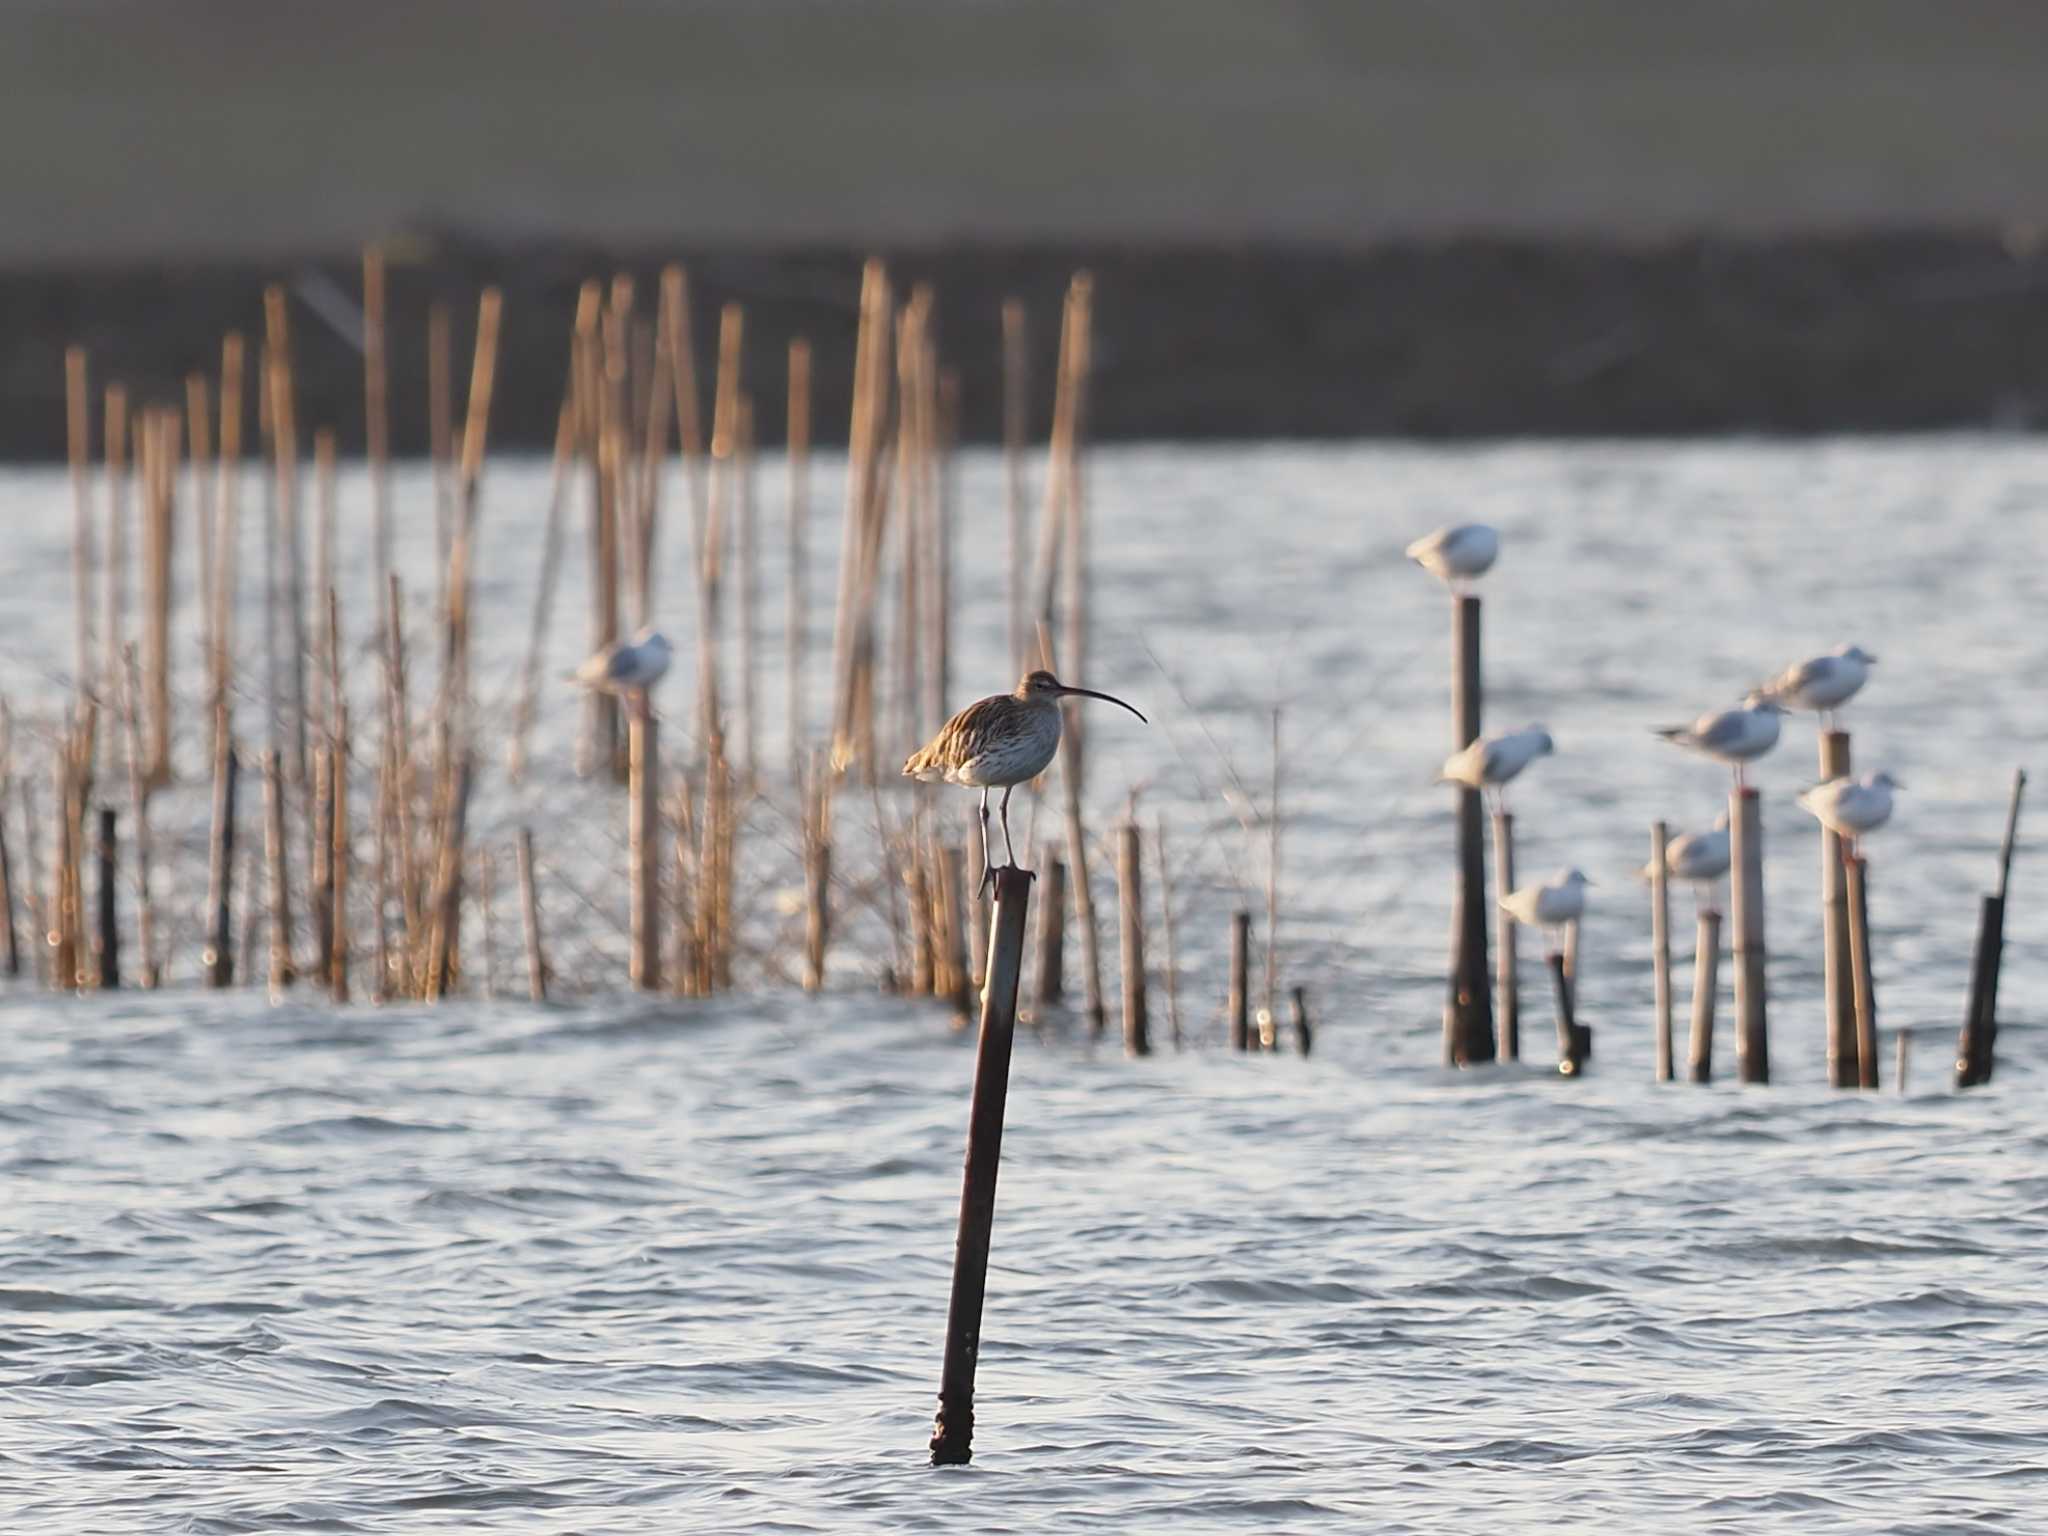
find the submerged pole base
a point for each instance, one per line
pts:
(953, 1435)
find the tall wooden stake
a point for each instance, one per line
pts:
(1705, 971)
(1503, 883)
(1976, 1050)
(1838, 989)
(1131, 932)
(107, 940)
(1660, 943)
(1238, 1005)
(1050, 985)
(529, 913)
(1746, 912)
(1474, 1032)
(953, 1432)
(644, 838)
(1859, 965)
(281, 972)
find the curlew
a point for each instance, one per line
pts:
(1000, 742)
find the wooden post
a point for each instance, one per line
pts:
(1304, 1037)
(973, 862)
(1131, 933)
(10, 943)
(952, 912)
(1238, 1006)
(108, 937)
(1475, 999)
(529, 912)
(643, 837)
(1572, 1037)
(817, 914)
(1746, 914)
(1859, 967)
(1976, 1051)
(1706, 966)
(281, 973)
(1905, 1042)
(1660, 942)
(953, 1432)
(1171, 964)
(219, 955)
(1052, 937)
(1503, 883)
(1838, 990)
(338, 854)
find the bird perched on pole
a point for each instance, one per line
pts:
(1701, 857)
(1823, 684)
(1852, 807)
(1456, 554)
(1549, 906)
(629, 668)
(1488, 763)
(1000, 742)
(1734, 736)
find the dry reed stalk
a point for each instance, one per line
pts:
(252, 908)
(338, 856)
(43, 918)
(915, 867)
(544, 594)
(282, 972)
(398, 751)
(659, 407)
(78, 435)
(1074, 545)
(377, 423)
(747, 558)
(381, 865)
(860, 550)
(10, 942)
(455, 701)
(324, 498)
(445, 942)
(1273, 877)
(440, 438)
(710, 533)
(226, 532)
(529, 913)
(600, 739)
(200, 494)
(159, 445)
(912, 703)
(284, 444)
(683, 966)
(643, 840)
(138, 802)
(610, 459)
(319, 855)
(1016, 410)
(114, 565)
(1169, 960)
(953, 907)
(816, 787)
(64, 905)
(796, 607)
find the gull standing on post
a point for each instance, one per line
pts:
(1488, 763)
(1823, 684)
(629, 668)
(1549, 906)
(1000, 742)
(1701, 857)
(1735, 735)
(1454, 555)
(1852, 807)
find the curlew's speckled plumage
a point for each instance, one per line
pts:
(1000, 742)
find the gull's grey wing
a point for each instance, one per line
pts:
(1726, 729)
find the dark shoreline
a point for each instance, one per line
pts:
(1891, 331)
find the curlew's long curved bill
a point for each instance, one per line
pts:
(1090, 693)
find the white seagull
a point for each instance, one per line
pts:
(631, 668)
(1823, 684)
(1455, 554)
(1549, 906)
(1735, 735)
(1852, 807)
(1701, 857)
(1491, 761)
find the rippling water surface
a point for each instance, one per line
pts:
(614, 1265)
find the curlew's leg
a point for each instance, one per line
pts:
(1008, 847)
(988, 864)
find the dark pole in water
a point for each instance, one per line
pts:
(1238, 1009)
(109, 930)
(1746, 912)
(10, 945)
(1838, 986)
(1503, 883)
(1304, 1037)
(1131, 939)
(1706, 966)
(1976, 1050)
(1859, 968)
(1475, 997)
(529, 916)
(1660, 943)
(219, 955)
(1571, 1036)
(1052, 940)
(952, 1442)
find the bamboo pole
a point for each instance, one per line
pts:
(529, 913)
(1474, 1025)
(338, 853)
(1238, 1004)
(218, 958)
(377, 427)
(10, 941)
(1169, 959)
(285, 449)
(643, 840)
(953, 1432)
(226, 533)
(1904, 1038)
(1860, 971)
(107, 937)
(160, 440)
(1505, 936)
(114, 567)
(138, 801)
(78, 432)
(1976, 1049)
(1838, 988)
(444, 942)
(1050, 985)
(440, 439)
(747, 560)
(953, 918)
(64, 930)
(486, 877)
(796, 609)
(1131, 933)
(1660, 941)
(1746, 914)
(199, 453)
(1304, 1035)
(1706, 964)
(1571, 1035)
(42, 921)
(544, 592)
(282, 973)
(1015, 413)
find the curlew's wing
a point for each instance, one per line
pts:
(959, 739)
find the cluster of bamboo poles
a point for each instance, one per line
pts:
(366, 872)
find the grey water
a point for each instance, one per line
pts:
(619, 1264)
